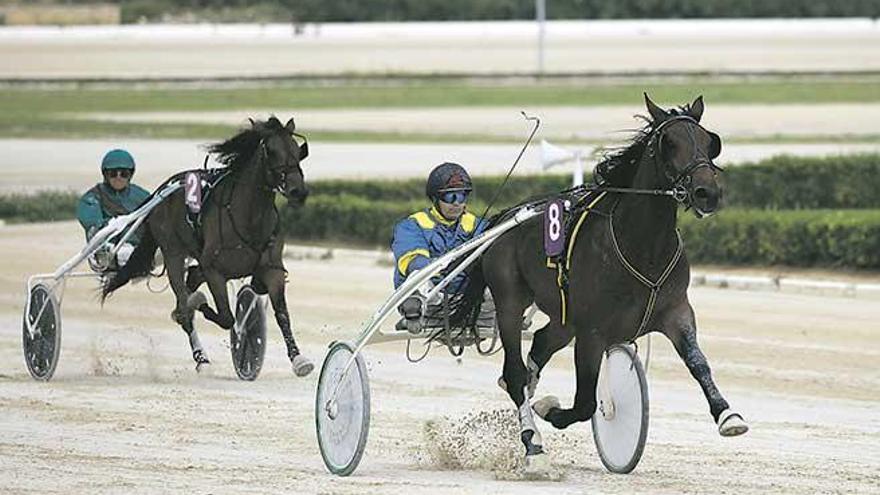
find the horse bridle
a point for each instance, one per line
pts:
(281, 186)
(680, 185)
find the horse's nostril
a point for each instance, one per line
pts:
(701, 193)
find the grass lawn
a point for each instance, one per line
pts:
(42, 112)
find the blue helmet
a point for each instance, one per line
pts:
(447, 177)
(117, 158)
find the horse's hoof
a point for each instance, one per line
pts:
(544, 405)
(302, 366)
(537, 466)
(502, 384)
(195, 300)
(731, 424)
(203, 366)
(202, 361)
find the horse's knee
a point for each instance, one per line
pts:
(584, 412)
(183, 316)
(226, 321)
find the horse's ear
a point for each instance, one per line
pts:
(303, 150)
(714, 145)
(252, 121)
(657, 113)
(290, 126)
(696, 108)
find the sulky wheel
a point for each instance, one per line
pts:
(41, 332)
(342, 421)
(247, 338)
(621, 427)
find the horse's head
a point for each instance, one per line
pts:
(684, 151)
(282, 155)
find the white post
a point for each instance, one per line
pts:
(541, 17)
(577, 177)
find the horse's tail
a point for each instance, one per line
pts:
(467, 309)
(139, 265)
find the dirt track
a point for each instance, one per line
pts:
(126, 412)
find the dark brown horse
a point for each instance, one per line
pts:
(627, 274)
(238, 236)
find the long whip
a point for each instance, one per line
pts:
(522, 151)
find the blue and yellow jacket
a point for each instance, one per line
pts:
(426, 235)
(101, 203)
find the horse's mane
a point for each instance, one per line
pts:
(236, 152)
(619, 164)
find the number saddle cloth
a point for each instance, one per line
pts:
(198, 185)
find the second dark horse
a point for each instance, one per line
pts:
(627, 272)
(239, 233)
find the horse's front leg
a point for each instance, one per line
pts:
(679, 325)
(588, 351)
(546, 342)
(274, 280)
(217, 284)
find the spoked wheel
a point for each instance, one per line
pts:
(620, 427)
(41, 333)
(343, 420)
(247, 338)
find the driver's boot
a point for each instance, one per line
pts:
(411, 309)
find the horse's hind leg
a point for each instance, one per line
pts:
(587, 358)
(509, 314)
(186, 303)
(274, 280)
(546, 342)
(681, 328)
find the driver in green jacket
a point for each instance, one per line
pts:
(115, 196)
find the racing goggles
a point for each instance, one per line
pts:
(454, 197)
(118, 172)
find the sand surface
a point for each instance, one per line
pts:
(127, 413)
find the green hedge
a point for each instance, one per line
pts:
(801, 211)
(782, 182)
(827, 238)
(46, 206)
(793, 182)
(822, 238)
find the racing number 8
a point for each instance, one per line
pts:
(555, 228)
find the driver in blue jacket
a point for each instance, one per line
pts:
(434, 231)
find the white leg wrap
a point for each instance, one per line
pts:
(194, 341)
(527, 422)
